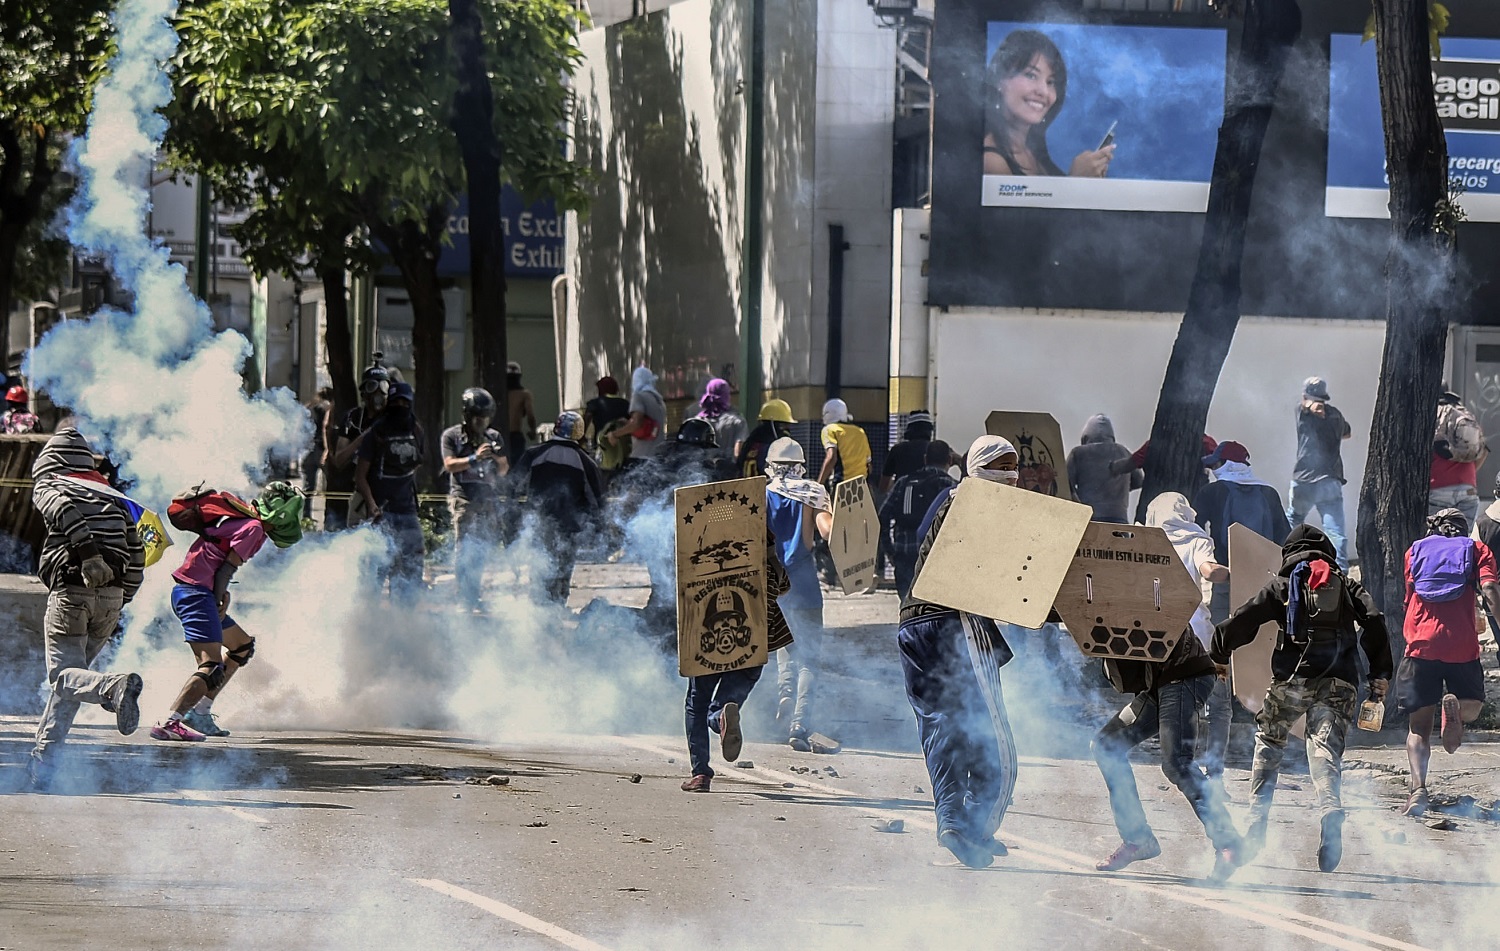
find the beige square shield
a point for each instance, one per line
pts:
(1039, 446)
(721, 568)
(1253, 561)
(1127, 595)
(1002, 553)
(855, 536)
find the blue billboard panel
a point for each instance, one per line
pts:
(534, 237)
(1466, 85)
(1114, 118)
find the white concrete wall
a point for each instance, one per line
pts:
(909, 312)
(856, 106)
(1075, 364)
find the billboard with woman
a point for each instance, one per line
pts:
(1121, 118)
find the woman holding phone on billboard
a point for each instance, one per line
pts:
(1025, 87)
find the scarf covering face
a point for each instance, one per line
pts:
(715, 400)
(643, 381)
(1239, 473)
(1171, 513)
(280, 509)
(985, 450)
(789, 480)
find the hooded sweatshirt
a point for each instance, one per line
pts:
(1171, 513)
(1331, 653)
(1088, 470)
(646, 400)
(81, 521)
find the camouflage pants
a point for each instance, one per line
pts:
(1329, 704)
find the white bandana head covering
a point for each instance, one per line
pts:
(1171, 513)
(789, 480)
(835, 411)
(985, 450)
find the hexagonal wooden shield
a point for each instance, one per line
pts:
(855, 536)
(1038, 442)
(1127, 595)
(1001, 553)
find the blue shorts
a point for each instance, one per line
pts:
(198, 610)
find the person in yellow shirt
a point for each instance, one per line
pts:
(846, 447)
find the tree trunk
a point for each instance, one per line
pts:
(337, 338)
(1213, 309)
(1418, 271)
(473, 121)
(20, 204)
(415, 247)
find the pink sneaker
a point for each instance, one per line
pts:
(176, 730)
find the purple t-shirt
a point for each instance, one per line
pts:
(244, 536)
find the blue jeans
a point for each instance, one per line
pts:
(1465, 498)
(966, 740)
(706, 697)
(1171, 711)
(1327, 496)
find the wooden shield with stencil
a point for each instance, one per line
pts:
(855, 536)
(1039, 448)
(1002, 553)
(1127, 596)
(721, 566)
(1253, 561)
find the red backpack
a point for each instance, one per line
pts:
(199, 507)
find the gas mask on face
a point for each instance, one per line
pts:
(1002, 476)
(374, 393)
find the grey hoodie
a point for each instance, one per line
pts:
(1088, 471)
(81, 521)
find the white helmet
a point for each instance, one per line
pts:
(785, 451)
(835, 411)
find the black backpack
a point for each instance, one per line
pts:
(916, 493)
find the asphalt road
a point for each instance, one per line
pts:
(292, 839)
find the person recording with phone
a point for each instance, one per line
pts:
(474, 458)
(1025, 87)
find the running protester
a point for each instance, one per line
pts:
(91, 562)
(714, 701)
(1444, 572)
(565, 489)
(390, 453)
(1314, 671)
(201, 602)
(951, 662)
(474, 458)
(1168, 696)
(796, 508)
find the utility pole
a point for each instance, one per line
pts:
(752, 384)
(201, 252)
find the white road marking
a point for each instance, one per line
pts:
(1062, 860)
(232, 810)
(513, 915)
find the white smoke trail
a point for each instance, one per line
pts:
(155, 385)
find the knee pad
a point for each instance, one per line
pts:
(242, 655)
(211, 673)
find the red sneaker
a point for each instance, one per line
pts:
(1453, 723)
